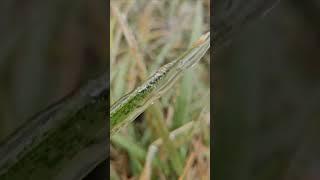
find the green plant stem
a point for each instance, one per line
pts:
(127, 108)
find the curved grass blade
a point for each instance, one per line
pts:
(127, 108)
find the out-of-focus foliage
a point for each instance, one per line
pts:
(143, 36)
(267, 97)
(47, 49)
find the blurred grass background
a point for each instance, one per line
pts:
(266, 95)
(47, 49)
(144, 35)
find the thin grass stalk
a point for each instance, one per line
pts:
(177, 136)
(163, 132)
(132, 42)
(127, 108)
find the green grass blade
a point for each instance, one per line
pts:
(133, 104)
(182, 110)
(134, 149)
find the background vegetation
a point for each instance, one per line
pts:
(266, 123)
(143, 36)
(47, 50)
